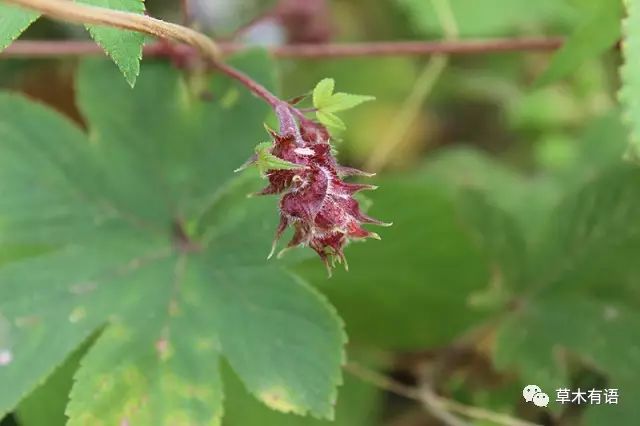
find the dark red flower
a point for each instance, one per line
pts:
(315, 201)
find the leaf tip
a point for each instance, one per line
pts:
(279, 399)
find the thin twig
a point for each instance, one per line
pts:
(50, 48)
(481, 413)
(420, 395)
(447, 19)
(421, 89)
(433, 404)
(397, 131)
(381, 381)
(185, 11)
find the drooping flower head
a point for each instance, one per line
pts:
(315, 200)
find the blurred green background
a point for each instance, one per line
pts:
(512, 257)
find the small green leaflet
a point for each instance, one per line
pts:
(593, 37)
(143, 238)
(330, 120)
(630, 92)
(328, 103)
(124, 47)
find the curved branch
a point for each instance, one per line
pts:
(84, 14)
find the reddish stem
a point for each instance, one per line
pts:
(268, 14)
(36, 48)
(255, 87)
(186, 12)
(311, 51)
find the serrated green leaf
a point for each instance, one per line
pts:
(13, 21)
(593, 37)
(157, 366)
(325, 100)
(46, 405)
(330, 120)
(602, 334)
(322, 92)
(527, 199)
(170, 298)
(124, 47)
(630, 92)
(591, 237)
(502, 243)
(583, 295)
(327, 103)
(344, 101)
(358, 405)
(426, 245)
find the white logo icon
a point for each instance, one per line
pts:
(529, 391)
(540, 399)
(533, 393)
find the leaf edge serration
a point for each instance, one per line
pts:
(630, 54)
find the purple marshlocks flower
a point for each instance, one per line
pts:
(315, 200)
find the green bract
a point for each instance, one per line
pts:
(264, 160)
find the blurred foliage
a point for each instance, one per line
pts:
(492, 17)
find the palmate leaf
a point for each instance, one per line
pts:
(124, 47)
(582, 296)
(146, 238)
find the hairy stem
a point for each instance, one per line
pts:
(255, 87)
(85, 14)
(423, 86)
